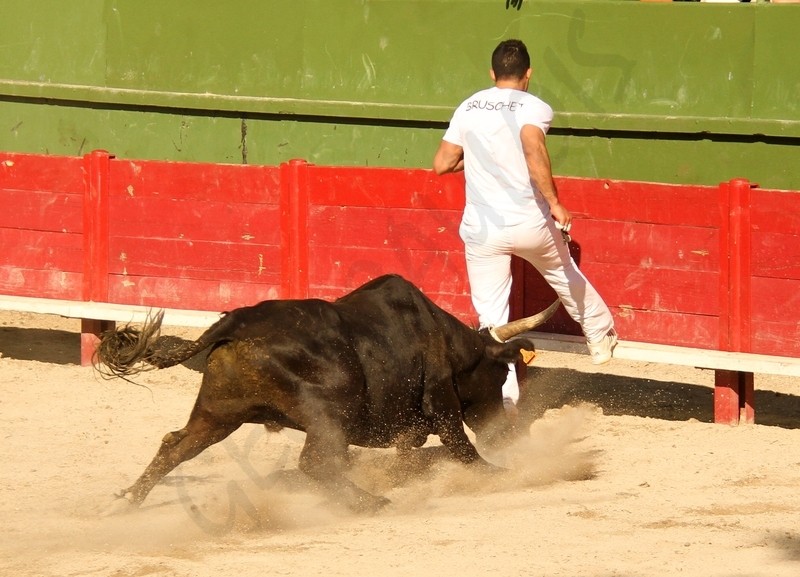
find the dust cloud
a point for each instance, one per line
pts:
(250, 483)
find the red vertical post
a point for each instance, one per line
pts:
(95, 247)
(294, 229)
(724, 267)
(741, 269)
(95, 226)
(734, 394)
(734, 391)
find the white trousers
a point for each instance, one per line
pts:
(488, 253)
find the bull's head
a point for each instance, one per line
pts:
(481, 390)
(508, 346)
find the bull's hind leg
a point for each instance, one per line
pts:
(177, 447)
(324, 459)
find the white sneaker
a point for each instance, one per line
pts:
(603, 350)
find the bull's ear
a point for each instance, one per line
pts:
(511, 351)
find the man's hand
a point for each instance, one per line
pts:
(562, 216)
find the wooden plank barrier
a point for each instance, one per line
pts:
(684, 268)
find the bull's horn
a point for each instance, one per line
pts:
(512, 329)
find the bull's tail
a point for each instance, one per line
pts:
(128, 351)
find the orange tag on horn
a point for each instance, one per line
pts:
(527, 356)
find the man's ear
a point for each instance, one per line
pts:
(492, 76)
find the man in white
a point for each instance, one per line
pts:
(497, 136)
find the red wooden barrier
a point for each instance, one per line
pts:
(652, 250)
(41, 229)
(365, 222)
(194, 236)
(706, 267)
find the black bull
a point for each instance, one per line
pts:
(382, 366)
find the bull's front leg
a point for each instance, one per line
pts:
(443, 406)
(453, 436)
(451, 432)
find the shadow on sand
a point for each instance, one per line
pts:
(550, 388)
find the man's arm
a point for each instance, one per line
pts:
(538, 161)
(448, 158)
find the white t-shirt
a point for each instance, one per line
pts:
(487, 126)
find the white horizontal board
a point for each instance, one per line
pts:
(672, 355)
(107, 311)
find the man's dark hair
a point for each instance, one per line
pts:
(510, 60)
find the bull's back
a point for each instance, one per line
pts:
(391, 329)
(391, 313)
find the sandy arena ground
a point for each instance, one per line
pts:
(623, 474)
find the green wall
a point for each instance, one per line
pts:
(669, 92)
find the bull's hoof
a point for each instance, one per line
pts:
(370, 504)
(122, 503)
(485, 467)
